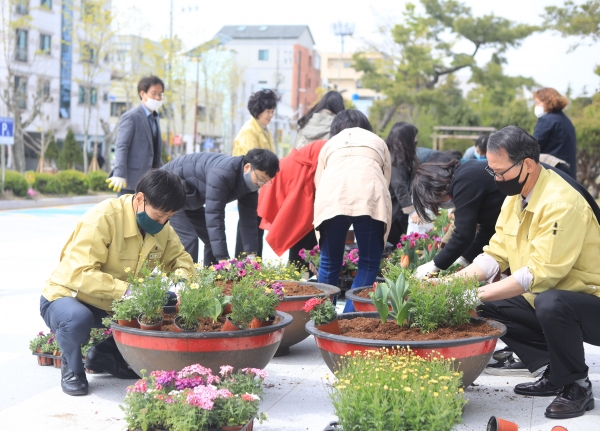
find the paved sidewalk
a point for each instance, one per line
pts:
(296, 397)
(19, 204)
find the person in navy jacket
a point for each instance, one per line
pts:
(554, 131)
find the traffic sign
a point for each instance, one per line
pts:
(208, 144)
(7, 131)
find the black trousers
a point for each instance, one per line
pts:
(397, 229)
(239, 244)
(552, 333)
(191, 225)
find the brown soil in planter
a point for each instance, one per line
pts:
(206, 323)
(225, 286)
(364, 293)
(373, 329)
(295, 289)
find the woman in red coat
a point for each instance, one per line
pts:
(286, 205)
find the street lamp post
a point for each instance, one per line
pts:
(342, 29)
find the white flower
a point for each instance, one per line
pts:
(179, 272)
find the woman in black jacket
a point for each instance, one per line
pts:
(213, 180)
(402, 142)
(554, 131)
(472, 191)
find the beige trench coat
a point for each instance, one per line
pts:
(353, 178)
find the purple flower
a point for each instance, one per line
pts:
(317, 248)
(240, 265)
(313, 253)
(302, 254)
(241, 273)
(41, 333)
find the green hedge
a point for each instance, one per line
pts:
(47, 184)
(72, 181)
(15, 182)
(97, 181)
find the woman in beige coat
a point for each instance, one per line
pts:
(352, 188)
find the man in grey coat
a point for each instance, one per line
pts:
(138, 146)
(213, 180)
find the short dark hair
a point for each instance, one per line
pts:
(262, 100)
(332, 101)
(481, 143)
(263, 160)
(518, 144)
(347, 120)
(148, 81)
(162, 189)
(430, 185)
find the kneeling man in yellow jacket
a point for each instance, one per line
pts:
(548, 235)
(114, 235)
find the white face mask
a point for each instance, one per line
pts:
(539, 111)
(153, 104)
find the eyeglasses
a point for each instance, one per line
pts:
(499, 176)
(259, 182)
(155, 95)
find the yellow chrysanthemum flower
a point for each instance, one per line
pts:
(127, 269)
(194, 286)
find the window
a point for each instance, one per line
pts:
(89, 54)
(45, 43)
(21, 48)
(117, 108)
(201, 112)
(263, 54)
(81, 95)
(347, 64)
(93, 95)
(21, 92)
(46, 3)
(22, 7)
(105, 97)
(44, 89)
(359, 83)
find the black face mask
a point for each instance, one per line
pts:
(512, 187)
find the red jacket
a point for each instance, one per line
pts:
(287, 204)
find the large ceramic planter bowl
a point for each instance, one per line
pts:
(471, 355)
(292, 305)
(162, 350)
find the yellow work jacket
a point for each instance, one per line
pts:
(106, 241)
(252, 135)
(556, 236)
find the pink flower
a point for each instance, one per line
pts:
(311, 304)
(247, 397)
(139, 386)
(257, 372)
(313, 253)
(302, 254)
(256, 266)
(241, 273)
(226, 369)
(203, 397)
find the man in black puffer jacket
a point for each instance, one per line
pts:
(212, 181)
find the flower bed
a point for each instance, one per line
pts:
(195, 399)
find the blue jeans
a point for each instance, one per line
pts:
(369, 237)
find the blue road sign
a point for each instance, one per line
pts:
(208, 143)
(7, 131)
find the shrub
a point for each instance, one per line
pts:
(397, 390)
(73, 182)
(47, 184)
(71, 154)
(97, 181)
(15, 182)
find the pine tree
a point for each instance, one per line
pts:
(52, 151)
(71, 155)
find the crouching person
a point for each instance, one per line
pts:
(114, 235)
(548, 235)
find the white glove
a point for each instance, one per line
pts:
(116, 183)
(426, 269)
(462, 262)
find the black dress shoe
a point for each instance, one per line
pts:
(99, 362)
(71, 383)
(571, 402)
(539, 388)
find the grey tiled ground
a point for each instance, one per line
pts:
(295, 397)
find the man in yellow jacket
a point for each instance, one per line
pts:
(548, 236)
(114, 235)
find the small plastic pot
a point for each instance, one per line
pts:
(257, 323)
(559, 428)
(229, 326)
(132, 323)
(332, 327)
(152, 327)
(497, 424)
(226, 310)
(178, 328)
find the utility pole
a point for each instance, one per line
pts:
(196, 103)
(342, 29)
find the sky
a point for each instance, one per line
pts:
(543, 56)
